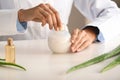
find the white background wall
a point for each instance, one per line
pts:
(76, 19)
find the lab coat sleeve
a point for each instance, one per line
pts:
(8, 22)
(21, 26)
(104, 14)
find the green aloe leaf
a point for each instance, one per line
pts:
(95, 60)
(2, 59)
(113, 64)
(11, 64)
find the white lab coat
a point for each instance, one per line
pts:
(103, 14)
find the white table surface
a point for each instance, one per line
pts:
(42, 64)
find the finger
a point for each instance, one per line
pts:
(74, 35)
(59, 23)
(52, 15)
(40, 17)
(84, 39)
(44, 23)
(48, 17)
(38, 20)
(76, 46)
(83, 46)
(79, 38)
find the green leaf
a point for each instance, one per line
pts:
(113, 64)
(2, 59)
(95, 60)
(12, 64)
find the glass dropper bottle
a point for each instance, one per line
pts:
(10, 51)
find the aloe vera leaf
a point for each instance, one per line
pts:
(95, 60)
(2, 59)
(12, 64)
(113, 64)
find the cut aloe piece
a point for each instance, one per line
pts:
(113, 64)
(2, 59)
(95, 60)
(12, 64)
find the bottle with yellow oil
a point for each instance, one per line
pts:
(10, 51)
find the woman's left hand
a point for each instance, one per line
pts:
(81, 39)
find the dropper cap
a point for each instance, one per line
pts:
(10, 41)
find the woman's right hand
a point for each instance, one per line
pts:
(44, 13)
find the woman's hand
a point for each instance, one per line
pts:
(81, 39)
(44, 13)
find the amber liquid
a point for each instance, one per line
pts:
(10, 53)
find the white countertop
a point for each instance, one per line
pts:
(42, 64)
